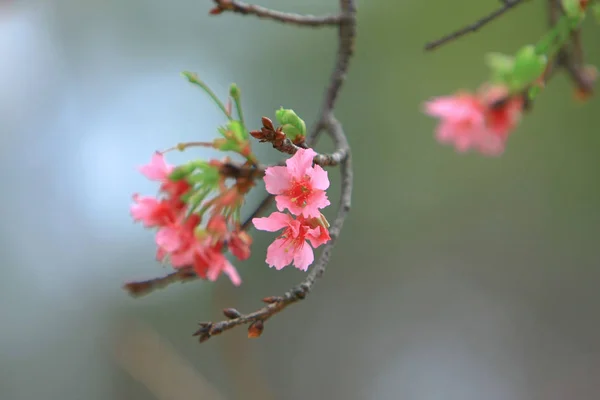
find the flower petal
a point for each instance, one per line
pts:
(168, 238)
(232, 273)
(318, 236)
(273, 222)
(317, 200)
(278, 255)
(277, 180)
(284, 202)
(300, 163)
(157, 169)
(319, 178)
(303, 257)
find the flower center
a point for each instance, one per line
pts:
(293, 244)
(300, 191)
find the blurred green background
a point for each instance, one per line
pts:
(456, 276)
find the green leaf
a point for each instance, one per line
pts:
(206, 175)
(238, 130)
(528, 67)
(184, 170)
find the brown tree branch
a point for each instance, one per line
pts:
(345, 50)
(142, 288)
(506, 6)
(262, 12)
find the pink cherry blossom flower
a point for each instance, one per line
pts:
(184, 248)
(299, 186)
(476, 121)
(152, 211)
(178, 237)
(158, 170)
(291, 245)
(178, 241)
(239, 244)
(209, 262)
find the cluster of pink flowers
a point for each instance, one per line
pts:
(300, 188)
(481, 121)
(180, 237)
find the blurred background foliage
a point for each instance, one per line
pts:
(456, 276)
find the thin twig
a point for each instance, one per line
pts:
(262, 12)
(322, 159)
(142, 288)
(573, 63)
(506, 5)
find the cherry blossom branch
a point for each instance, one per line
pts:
(506, 6)
(142, 288)
(276, 304)
(328, 123)
(325, 122)
(262, 12)
(570, 58)
(282, 143)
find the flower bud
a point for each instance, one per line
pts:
(256, 329)
(231, 313)
(291, 124)
(234, 91)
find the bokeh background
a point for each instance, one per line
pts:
(456, 276)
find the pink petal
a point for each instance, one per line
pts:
(303, 257)
(277, 180)
(232, 273)
(300, 163)
(160, 254)
(318, 236)
(462, 143)
(445, 132)
(182, 258)
(316, 201)
(440, 106)
(216, 266)
(283, 202)
(157, 169)
(273, 222)
(143, 209)
(168, 238)
(294, 226)
(319, 178)
(277, 254)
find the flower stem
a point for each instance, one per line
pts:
(193, 78)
